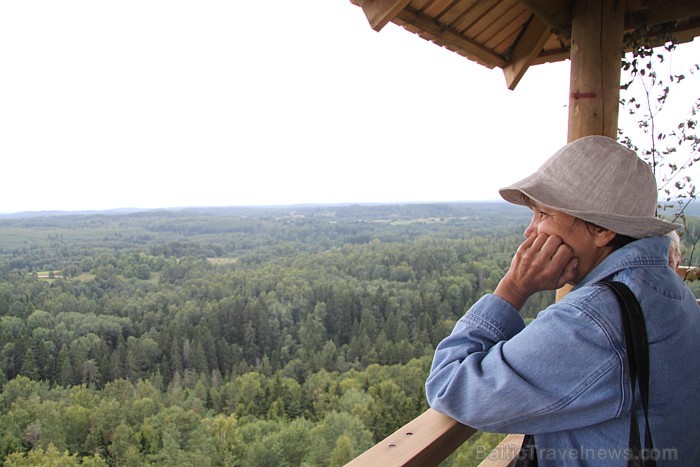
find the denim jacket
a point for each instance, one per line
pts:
(564, 377)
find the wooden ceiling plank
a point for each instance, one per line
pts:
(513, 27)
(472, 16)
(456, 11)
(505, 47)
(445, 35)
(502, 21)
(526, 49)
(437, 7)
(555, 13)
(419, 4)
(490, 17)
(380, 12)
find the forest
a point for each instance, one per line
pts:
(276, 336)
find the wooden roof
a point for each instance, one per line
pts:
(515, 34)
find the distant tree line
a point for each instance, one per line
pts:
(208, 338)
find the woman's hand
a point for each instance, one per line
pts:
(542, 262)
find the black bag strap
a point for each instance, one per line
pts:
(527, 455)
(637, 347)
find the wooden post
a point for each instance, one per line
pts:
(596, 57)
(597, 31)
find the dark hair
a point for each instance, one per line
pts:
(616, 243)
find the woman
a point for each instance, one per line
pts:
(564, 377)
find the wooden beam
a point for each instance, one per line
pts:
(551, 56)
(555, 13)
(447, 35)
(687, 22)
(684, 32)
(653, 12)
(526, 50)
(687, 32)
(380, 12)
(426, 440)
(596, 53)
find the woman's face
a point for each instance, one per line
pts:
(588, 244)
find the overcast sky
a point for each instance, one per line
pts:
(165, 103)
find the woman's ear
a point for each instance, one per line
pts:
(603, 237)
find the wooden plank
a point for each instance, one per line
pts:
(456, 12)
(493, 16)
(504, 47)
(437, 7)
(513, 28)
(419, 4)
(473, 16)
(527, 48)
(380, 12)
(509, 21)
(425, 440)
(505, 454)
(459, 43)
(690, 273)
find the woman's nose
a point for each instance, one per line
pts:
(532, 228)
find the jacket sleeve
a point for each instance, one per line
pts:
(562, 371)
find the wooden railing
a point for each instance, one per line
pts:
(426, 440)
(689, 273)
(431, 437)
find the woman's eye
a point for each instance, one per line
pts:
(543, 214)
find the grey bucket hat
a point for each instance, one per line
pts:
(600, 181)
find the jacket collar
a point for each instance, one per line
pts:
(651, 251)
